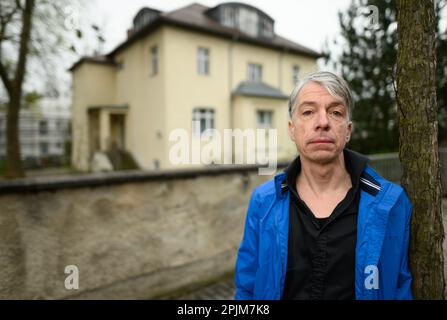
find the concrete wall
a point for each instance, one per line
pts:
(132, 235)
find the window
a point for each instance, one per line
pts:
(295, 74)
(203, 61)
(203, 119)
(248, 22)
(254, 72)
(229, 17)
(59, 126)
(156, 164)
(144, 17)
(43, 127)
(266, 28)
(120, 65)
(154, 61)
(43, 148)
(264, 119)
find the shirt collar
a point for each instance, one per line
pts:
(355, 164)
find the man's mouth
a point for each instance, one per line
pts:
(322, 140)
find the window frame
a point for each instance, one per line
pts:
(120, 64)
(295, 73)
(254, 72)
(261, 124)
(154, 53)
(203, 61)
(47, 148)
(229, 16)
(206, 116)
(265, 28)
(43, 129)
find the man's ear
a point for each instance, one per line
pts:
(291, 130)
(348, 137)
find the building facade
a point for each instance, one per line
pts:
(44, 131)
(221, 67)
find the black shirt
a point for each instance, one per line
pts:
(321, 252)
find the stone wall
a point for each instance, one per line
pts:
(132, 235)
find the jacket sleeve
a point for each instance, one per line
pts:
(404, 291)
(247, 258)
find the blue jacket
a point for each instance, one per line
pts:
(383, 224)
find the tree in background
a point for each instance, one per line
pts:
(33, 36)
(12, 73)
(418, 143)
(368, 62)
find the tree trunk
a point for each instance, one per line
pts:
(14, 167)
(418, 144)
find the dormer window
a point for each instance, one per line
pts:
(144, 17)
(245, 18)
(266, 28)
(229, 17)
(248, 22)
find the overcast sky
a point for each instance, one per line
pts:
(308, 22)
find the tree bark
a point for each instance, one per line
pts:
(14, 168)
(418, 144)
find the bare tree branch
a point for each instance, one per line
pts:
(24, 41)
(5, 19)
(19, 5)
(5, 78)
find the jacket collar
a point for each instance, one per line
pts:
(369, 184)
(368, 180)
(280, 185)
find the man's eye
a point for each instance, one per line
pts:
(307, 113)
(337, 113)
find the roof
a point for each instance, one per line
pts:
(98, 59)
(241, 4)
(194, 17)
(258, 89)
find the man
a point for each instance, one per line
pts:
(329, 227)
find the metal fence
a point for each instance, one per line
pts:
(388, 165)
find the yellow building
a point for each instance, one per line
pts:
(224, 67)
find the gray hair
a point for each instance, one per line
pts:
(334, 84)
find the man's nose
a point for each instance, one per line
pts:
(322, 121)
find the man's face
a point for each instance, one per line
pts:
(319, 126)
